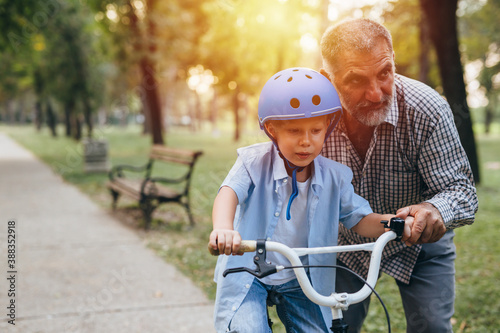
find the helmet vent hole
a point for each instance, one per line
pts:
(309, 76)
(316, 99)
(294, 103)
(290, 79)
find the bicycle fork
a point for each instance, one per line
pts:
(338, 323)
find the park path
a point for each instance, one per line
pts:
(77, 269)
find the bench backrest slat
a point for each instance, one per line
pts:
(173, 154)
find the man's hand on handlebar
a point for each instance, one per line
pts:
(428, 225)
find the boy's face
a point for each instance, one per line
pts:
(300, 140)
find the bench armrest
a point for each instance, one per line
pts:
(117, 171)
(167, 180)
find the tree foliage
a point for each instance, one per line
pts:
(114, 55)
(52, 40)
(480, 33)
(156, 37)
(248, 41)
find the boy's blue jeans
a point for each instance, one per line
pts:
(294, 309)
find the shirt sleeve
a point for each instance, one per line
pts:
(445, 169)
(239, 180)
(352, 206)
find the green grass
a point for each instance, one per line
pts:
(478, 251)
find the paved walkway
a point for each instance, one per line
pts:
(77, 268)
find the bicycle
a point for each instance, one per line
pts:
(338, 302)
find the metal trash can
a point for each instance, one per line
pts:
(95, 154)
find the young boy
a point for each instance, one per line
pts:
(285, 192)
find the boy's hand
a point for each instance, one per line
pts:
(407, 230)
(226, 241)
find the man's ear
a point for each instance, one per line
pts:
(325, 74)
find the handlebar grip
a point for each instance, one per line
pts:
(245, 246)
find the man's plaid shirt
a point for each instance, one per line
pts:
(414, 156)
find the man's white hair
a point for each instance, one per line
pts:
(355, 35)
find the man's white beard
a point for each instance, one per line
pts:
(373, 117)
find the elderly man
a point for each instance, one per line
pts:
(398, 137)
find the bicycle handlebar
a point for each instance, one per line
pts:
(335, 300)
(245, 246)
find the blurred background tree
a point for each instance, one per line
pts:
(53, 49)
(480, 33)
(202, 63)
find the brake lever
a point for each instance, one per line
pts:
(263, 268)
(397, 225)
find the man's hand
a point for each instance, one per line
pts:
(428, 225)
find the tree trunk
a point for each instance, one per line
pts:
(153, 102)
(87, 109)
(77, 127)
(425, 48)
(441, 16)
(38, 85)
(197, 113)
(144, 44)
(236, 108)
(213, 114)
(488, 119)
(38, 115)
(51, 119)
(68, 109)
(10, 112)
(146, 125)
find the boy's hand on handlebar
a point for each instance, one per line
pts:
(406, 231)
(227, 241)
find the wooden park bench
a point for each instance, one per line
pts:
(169, 182)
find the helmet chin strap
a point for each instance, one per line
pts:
(294, 168)
(295, 189)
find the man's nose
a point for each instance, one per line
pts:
(374, 92)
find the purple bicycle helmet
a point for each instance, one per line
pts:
(297, 93)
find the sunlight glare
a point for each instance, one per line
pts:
(140, 8)
(308, 43)
(201, 79)
(337, 8)
(240, 22)
(476, 96)
(111, 13)
(333, 13)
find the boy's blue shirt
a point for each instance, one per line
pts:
(258, 178)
